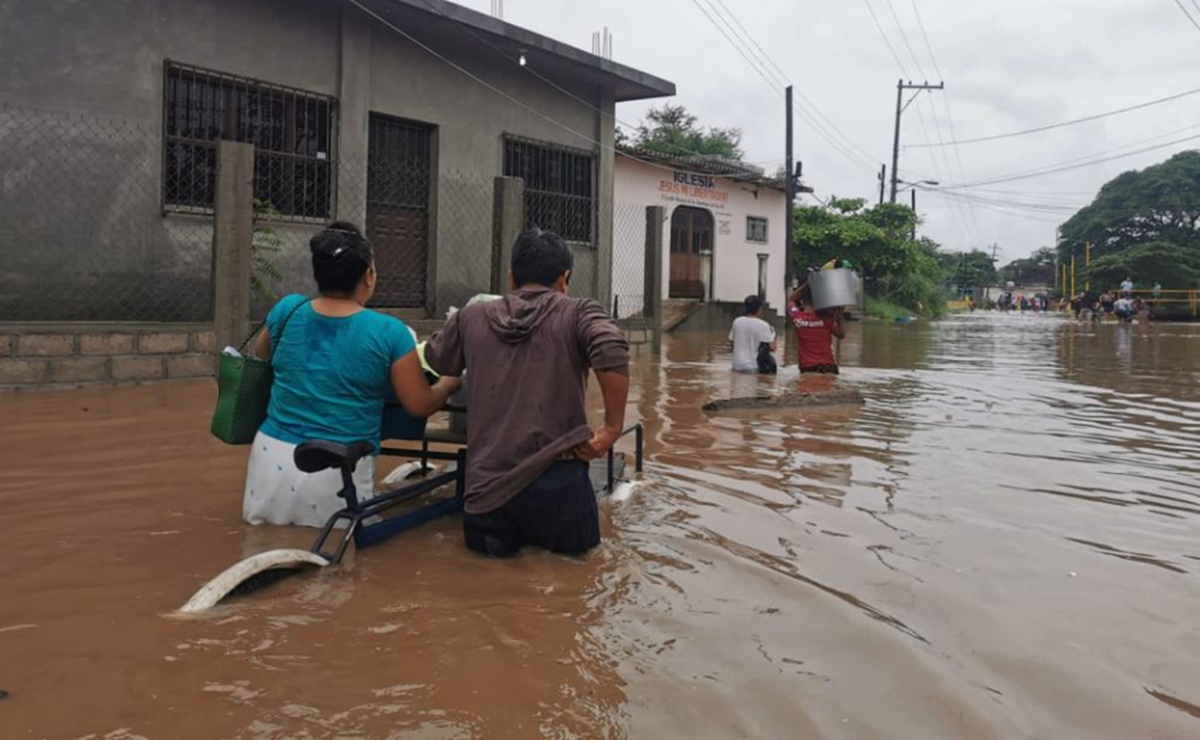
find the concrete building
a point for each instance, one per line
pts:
(394, 114)
(723, 228)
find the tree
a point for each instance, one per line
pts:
(1037, 268)
(672, 130)
(1169, 265)
(1158, 204)
(973, 269)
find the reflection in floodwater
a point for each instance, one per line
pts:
(1001, 542)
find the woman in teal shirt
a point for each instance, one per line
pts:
(335, 364)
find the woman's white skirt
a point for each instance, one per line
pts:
(277, 492)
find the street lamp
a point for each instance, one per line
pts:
(913, 186)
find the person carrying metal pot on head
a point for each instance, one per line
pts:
(815, 331)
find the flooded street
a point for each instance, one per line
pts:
(1002, 542)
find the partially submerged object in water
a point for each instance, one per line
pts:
(830, 397)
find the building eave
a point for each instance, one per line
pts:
(626, 82)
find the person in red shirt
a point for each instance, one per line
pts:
(814, 332)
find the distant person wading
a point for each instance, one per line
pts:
(753, 340)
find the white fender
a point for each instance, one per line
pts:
(218, 588)
(622, 491)
(402, 473)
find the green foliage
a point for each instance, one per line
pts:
(264, 251)
(1142, 222)
(967, 270)
(881, 309)
(1172, 266)
(1037, 268)
(672, 130)
(876, 240)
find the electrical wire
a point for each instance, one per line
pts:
(1067, 167)
(904, 37)
(783, 75)
(886, 40)
(825, 121)
(756, 66)
(1072, 122)
(1184, 9)
(945, 100)
(549, 82)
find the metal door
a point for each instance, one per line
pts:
(398, 182)
(691, 235)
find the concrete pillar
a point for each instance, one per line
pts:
(354, 93)
(233, 233)
(508, 221)
(652, 295)
(605, 174)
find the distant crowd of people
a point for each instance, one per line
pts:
(1037, 303)
(1088, 306)
(1123, 306)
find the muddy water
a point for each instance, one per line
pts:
(1002, 542)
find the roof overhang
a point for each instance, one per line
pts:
(454, 30)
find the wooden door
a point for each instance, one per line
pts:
(691, 234)
(398, 184)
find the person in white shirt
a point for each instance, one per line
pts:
(747, 334)
(1124, 309)
(1127, 287)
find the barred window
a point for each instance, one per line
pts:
(559, 187)
(756, 229)
(292, 132)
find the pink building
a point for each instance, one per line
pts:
(723, 231)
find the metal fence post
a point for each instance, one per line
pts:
(233, 233)
(653, 289)
(508, 221)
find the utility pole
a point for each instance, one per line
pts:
(914, 209)
(789, 237)
(901, 86)
(882, 182)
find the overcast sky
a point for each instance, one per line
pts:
(1008, 66)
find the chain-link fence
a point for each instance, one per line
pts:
(112, 221)
(82, 234)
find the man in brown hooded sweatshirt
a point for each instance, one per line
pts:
(528, 435)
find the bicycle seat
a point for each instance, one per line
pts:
(320, 454)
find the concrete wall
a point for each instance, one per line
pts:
(736, 260)
(84, 238)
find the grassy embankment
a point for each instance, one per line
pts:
(879, 308)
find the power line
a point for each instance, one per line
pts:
(886, 40)
(564, 91)
(830, 128)
(945, 98)
(1075, 121)
(1089, 157)
(1184, 9)
(472, 76)
(755, 65)
(1055, 170)
(783, 75)
(904, 38)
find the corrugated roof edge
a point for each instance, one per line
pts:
(652, 87)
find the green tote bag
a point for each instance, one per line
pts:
(244, 390)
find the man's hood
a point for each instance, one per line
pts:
(517, 316)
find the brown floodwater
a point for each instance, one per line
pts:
(1002, 542)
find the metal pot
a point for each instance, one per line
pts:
(835, 288)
